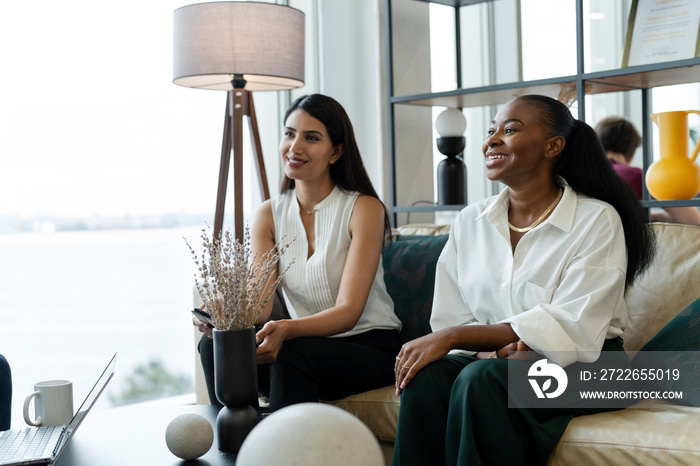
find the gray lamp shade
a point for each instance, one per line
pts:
(263, 42)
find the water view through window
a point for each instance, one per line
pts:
(73, 298)
(106, 164)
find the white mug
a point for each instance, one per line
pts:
(53, 403)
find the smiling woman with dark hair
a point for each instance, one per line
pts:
(343, 335)
(542, 269)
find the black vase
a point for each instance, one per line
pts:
(236, 385)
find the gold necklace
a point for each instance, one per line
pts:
(308, 212)
(539, 220)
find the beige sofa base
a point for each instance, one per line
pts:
(651, 432)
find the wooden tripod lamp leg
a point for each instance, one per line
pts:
(257, 147)
(223, 170)
(237, 130)
(239, 102)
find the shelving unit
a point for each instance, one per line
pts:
(643, 78)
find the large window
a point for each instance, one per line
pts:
(106, 165)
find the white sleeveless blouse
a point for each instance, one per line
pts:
(311, 286)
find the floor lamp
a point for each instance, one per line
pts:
(238, 47)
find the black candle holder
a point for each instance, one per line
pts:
(451, 172)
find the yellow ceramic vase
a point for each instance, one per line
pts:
(675, 176)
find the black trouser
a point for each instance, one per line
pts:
(320, 368)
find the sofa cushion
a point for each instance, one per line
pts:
(424, 229)
(409, 273)
(378, 409)
(667, 287)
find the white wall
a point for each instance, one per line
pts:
(350, 65)
(413, 125)
(351, 68)
(343, 60)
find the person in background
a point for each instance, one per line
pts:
(542, 269)
(621, 140)
(343, 336)
(5, 394)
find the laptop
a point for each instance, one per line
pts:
(43, 445)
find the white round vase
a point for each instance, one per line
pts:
(312, 434)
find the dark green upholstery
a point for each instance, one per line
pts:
(409, 273)
(676, 346)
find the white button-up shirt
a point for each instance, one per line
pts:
(562, 289)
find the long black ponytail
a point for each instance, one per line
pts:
(585, 166)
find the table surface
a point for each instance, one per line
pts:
(135, 435)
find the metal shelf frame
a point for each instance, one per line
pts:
(642, 77)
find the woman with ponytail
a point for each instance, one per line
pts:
(537, 273)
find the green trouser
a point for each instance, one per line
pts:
(455, 412)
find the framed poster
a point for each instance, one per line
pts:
(662, 30)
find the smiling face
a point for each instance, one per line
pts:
(517, 148)
(306, 149)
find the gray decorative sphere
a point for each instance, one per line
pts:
(312, 434)
(189, 436)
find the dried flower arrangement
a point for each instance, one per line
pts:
(232, 284)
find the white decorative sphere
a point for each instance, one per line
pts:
(310, 434)
(189, 436)
(451, 122)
